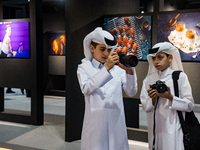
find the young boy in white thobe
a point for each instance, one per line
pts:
(163, 59)
(101, 82)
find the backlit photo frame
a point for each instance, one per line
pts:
(17, 33)
(56, 43)
(133, 34)
(182, 30)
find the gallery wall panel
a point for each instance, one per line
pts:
(56, 65)
(27, 73)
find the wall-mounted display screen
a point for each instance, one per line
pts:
(14, 39)
(182, 30)
(57, 43)
(133, 34)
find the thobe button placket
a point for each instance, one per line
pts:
(161, 75)
(102, 89)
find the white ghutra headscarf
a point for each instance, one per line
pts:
(175, 64)
(167, 48)
(99, 36)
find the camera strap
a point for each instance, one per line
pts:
(154, 125)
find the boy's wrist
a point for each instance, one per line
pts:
(170, 97)
(129, 71)
(107, 67)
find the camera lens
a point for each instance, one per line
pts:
(129, 61)
(133, 60)
(162, 88)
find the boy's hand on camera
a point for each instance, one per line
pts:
(153, 94)
(167, 94)
(113, 58)
(128, 70)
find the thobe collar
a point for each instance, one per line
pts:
(165, 73)
(96, 64)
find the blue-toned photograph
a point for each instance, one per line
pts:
(57, 43)
(182, 30)
(133, 34)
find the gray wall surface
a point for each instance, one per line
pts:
(54, 22)
(56, 65)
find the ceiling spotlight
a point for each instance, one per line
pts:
(142, 9)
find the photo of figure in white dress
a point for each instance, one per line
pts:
(14, 40)
(6, 49)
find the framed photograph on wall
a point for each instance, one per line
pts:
(14, 39)
(56, 43)
(182, 30)
(133, 34)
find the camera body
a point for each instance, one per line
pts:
(159, 86)
(128, 60)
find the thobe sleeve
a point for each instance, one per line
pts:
(129, 83)
(145, 99)
(90, 84)
(185, 100)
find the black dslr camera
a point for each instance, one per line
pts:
(128, 60)
(159, 86)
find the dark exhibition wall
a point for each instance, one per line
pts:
(54, 65)
(43, 72)
(82, 18)
(26, 73)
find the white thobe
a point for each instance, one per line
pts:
(104, 125)
(168, 132)
(5, 47)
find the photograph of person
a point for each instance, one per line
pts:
(6, 49)
(164, 128)
(14, 40)
(101, 82)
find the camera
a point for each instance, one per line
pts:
(159, 86)
(128, 60)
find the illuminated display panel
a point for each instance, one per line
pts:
(18, 35)
(133, 34)
(56, 43)
(182, 30)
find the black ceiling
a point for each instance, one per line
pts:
(49, 6)
(184, 4)
(176, 4)
(52, 6)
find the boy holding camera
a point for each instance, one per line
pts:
(101, 82)
(164, 129)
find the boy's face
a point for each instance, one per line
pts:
(161, 61)
(100, 53)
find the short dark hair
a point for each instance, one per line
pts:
(167, 54)
(94, 44)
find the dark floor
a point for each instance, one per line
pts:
(51, 135)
